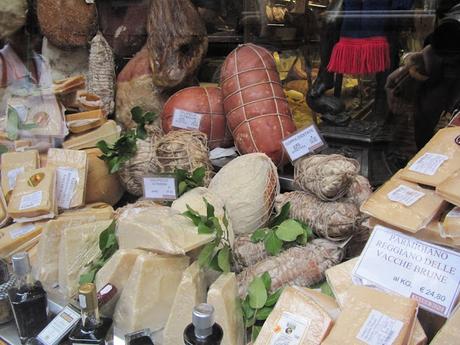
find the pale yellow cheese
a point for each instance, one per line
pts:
(14, 163)
(16, 235)
(99, 209)
(362, 302)
(413, 216)
(339, 279)
(109, 132)
(327, 303)
(449, 189)
(149, 292)
(34, 196)
(445, 142)
(71, 168)
(3, 214)
(450, 332)
(190, 293)
(418, 335)
(312, 322)
(223, 296)
(78, 247)
(432, 233)
(451, 224)
(159, 229)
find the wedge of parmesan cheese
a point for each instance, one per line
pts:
(109, 132)
(190, 293)
(437, 161)
(371, 316)
(404, 205)
(71, 169)
(449, 189)
(159, 229)
(15, 163)
(16, 235)
(223, 296)
(296, 317)
(148, 296)
(327, 303)
(450, 332)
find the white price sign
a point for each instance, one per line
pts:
(160, 188)
(186, 119)
(412, 268)
(303, 142)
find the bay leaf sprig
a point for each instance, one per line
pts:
(187, 181)
(125, 147)
(282, 232)
(217, 254)
(259, 303)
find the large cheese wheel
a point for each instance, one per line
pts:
(67, 23)
(258, 113)
(100, 185)
(205, 101)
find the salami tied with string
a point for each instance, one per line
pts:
(258, 113)
(206, 104)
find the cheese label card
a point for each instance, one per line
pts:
(289, 330)
(23, 230)
(66, 184)
(454, 213)
(31, 200)
(380, 329)
(412, 268)
(303, 142)
(405, 195)
(12, 175)
(186, 119)
(429, 163)
(160, 188)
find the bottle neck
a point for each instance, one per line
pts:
(24, 281)
(202, 334)
(90, 318)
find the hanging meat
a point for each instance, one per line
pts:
(257, 111)
(177, 41)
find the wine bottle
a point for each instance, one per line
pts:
(203, 330)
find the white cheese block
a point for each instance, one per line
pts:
(190, 293)
(149, 292)
(159, 229)
(327, 303)
(223, 295)
(79, 246)
(295, 307)
(450, 332)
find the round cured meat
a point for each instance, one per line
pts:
(202, 105)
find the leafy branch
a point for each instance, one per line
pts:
(14, 124)
(125, 147)
(216, 254)
(282, 232)
(259, 303)
(187, 181)
(108, 245)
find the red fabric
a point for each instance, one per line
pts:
(360, 55)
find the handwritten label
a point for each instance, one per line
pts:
(428, 164)
(66, 184)
(186, 119)
(23, 230)
(303, 142)
(160, 188)
(379, 329)
(31, 200)
(12, 176)
(412, 268)
(289, 330)
(405, 195)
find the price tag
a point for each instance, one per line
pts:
(303, 142)
(186, 119)
(405, 195)
(160, 188)
(412, 268)
(428, 164)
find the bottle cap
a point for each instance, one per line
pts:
(87, 296)
(203, 320)
(21, 263)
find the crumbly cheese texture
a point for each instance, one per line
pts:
(78, 247)
(190, 293)
(223, 295)
(109, 132)
(13, 163)
(149, 293)
(444, 143)
(449, 189)
(405, 211)
(248, 186)
(339, 279)
(71, 170)
(195, 199)
(361, 302)
(159, 229)
(450, 332)
(327, 303)
(34, 196)
(16, 235)
(302, 309)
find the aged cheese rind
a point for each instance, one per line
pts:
(445, 143)
(16, 235)
(223, 296)
(339, 279)
(159, 229)
(449, 189)
(77, 161)
(15, 162)
(109, 132)
(78, 247)
(409, 218)
(149, 292)
(360, 302)
(190, 293)
(296, 302)
(450, 332)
